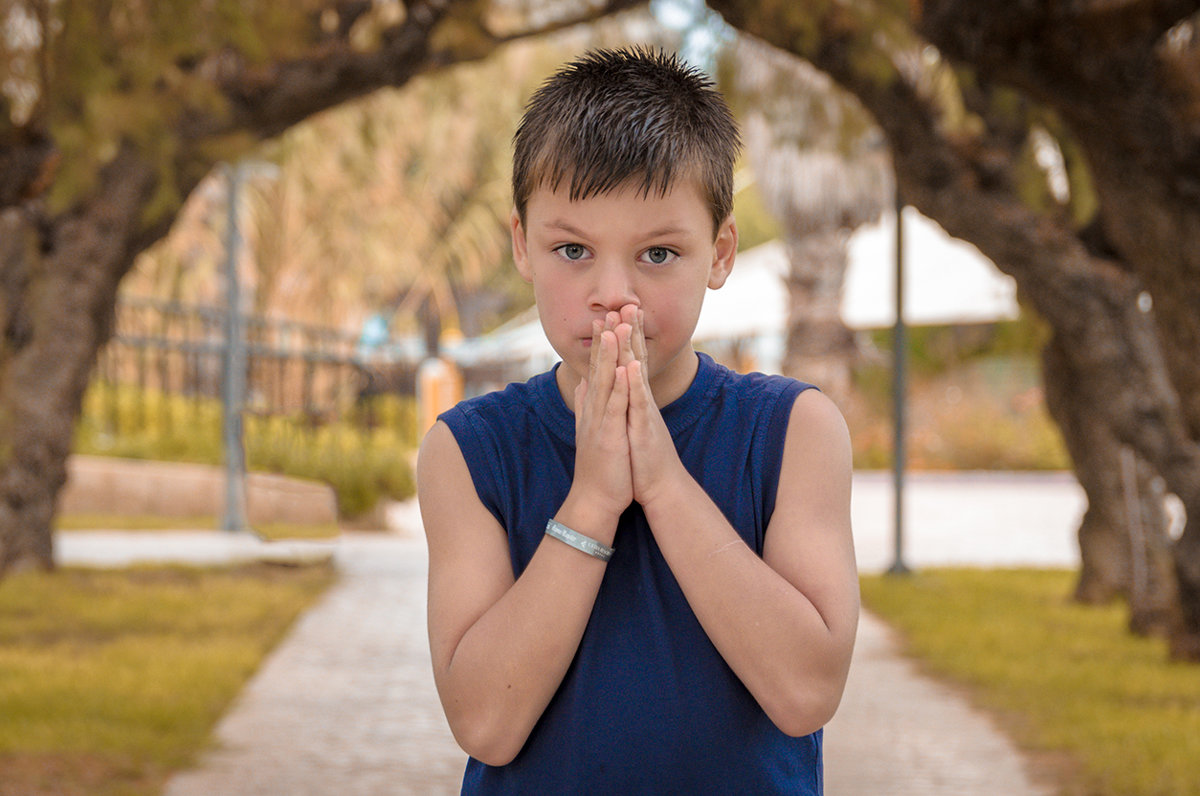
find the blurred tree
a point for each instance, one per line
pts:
(404, 199)
(393, 199)
(1124, 543)
(1112, 90)
(823, 170)
(111, 113)
(456, 274)
(394, 206)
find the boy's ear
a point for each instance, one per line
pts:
(519, 248)
(724, 249)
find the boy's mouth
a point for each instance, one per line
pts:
(586, 342)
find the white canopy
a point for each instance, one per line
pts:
(946, 281)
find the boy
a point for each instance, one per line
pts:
(641, 574)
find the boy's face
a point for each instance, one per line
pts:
(588, 257)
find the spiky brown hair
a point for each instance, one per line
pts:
(628, 116)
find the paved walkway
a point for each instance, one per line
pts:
(346, 704)
(898, 733)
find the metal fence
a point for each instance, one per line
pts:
(306, 372)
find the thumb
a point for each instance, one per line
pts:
(580, 394)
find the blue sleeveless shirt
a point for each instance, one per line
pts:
(648, 706)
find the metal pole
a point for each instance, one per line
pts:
(899, 395)
(233, 392)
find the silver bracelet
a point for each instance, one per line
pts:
(577, 540)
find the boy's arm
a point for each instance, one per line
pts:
(785, 623)
(500, 646)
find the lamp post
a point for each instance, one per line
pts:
(233, 361)
(233, 383)
(899, 396)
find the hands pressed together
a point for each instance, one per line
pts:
(623, 450)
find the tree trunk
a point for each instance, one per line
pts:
(1127, 88)
(967, 178)
(1123, 542)
(59, 272)
(430, 317)
(1123, 78)
(819, 346)
(59, 292)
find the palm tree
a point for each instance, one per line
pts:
(822, 169)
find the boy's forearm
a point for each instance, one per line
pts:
(789, 656)
(509, 663)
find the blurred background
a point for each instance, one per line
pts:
(241, 242)
(375, 237)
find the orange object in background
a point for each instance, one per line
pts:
(439, 387)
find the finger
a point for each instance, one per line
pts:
(638, 413)
(639, 393)
(618, 401)
(638, 342)
(628, 314)
(639, 339)
(624, 344)
(606, 362)
(580, 395)
(599, 378)
(594, 352)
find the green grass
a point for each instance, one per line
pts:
(110, 680)
(132, 522)
(1064, 678)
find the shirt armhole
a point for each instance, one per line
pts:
(774, 439)
(471, 435)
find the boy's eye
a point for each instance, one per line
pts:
(657, 255)
(572, 251)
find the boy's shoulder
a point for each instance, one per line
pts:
(722, 400)
(513, 396)
(752, 386)
(511, 409)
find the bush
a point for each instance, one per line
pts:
(364, 458)
(977, 412)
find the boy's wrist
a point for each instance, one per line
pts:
(670, 494)
(589, 517)
(586, 544)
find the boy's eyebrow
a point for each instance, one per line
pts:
(565, 227)
(664, 231)
(654, 233)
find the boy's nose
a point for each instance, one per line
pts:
(613, 288)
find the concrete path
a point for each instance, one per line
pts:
(346, 704)
(969, 519)
(898, 733)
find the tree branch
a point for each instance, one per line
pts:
(957, 176)
(265, 100)
(1087, 41)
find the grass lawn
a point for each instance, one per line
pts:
(111, 680)
(1064, 678)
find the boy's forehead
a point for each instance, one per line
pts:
(631, 191)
